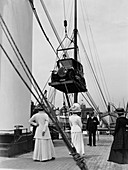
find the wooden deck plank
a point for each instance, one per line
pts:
(97, 156)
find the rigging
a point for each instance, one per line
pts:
(46, 106)
(102, 78)
(38, 20)
(20, 59)
(94, 73)
(53, 27)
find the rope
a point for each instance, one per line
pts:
(49, 111)
(99, 66)
(24, 62)
(38, 20)
(64, 10)
(18, 52)
(97, 57)
(89, 96)
(95, 77)
(93, 105)
(53, 27)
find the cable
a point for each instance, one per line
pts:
(29, 77)
(38, 20)
(96, 53)
(50, 21)
(19, 73)
(64, 10)
(43, 97)
(51, 114)
(93, 73)
(100, 68)
(90, 98)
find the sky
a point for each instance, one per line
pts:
(106, 25)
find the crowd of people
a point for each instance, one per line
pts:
(44, 148)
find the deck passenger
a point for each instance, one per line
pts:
(76, 129)
(92, 123)
(119, 148)
(43, 149)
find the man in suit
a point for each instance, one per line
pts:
(92, 123)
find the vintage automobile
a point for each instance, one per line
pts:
(69, 76)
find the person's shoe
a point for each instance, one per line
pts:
(53, 158)
(45, 160)
(89, 145)
(36, 160)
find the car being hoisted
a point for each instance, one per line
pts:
(69, 76)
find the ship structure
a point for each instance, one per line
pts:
(18, 85)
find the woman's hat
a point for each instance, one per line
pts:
(120, 111)
(75, 108)
(39, 108)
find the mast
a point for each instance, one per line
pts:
(75, 41)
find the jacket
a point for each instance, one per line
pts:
(92, 124)
(75, 123)
(42, 121)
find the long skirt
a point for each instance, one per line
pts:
(43, 150)
(119, 156)
(78, 142)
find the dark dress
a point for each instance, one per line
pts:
(119, 148)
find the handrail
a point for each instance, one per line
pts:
(12, 130)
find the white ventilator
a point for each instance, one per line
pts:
(15, 99)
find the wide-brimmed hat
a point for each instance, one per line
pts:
(120, 111)
(75, 108)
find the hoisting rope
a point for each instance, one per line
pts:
(38, 20)
(54, 29)
(51, 23)
(48, 16)
(64, 10)
(80, 161)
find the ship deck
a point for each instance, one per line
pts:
(96, 158)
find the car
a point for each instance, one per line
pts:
(68, 76)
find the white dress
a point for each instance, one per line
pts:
(43, 149)
(76, 133)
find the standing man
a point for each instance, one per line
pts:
(92, 123)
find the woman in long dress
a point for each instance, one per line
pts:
(119, 148)
(76, 129)
(43, 148)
